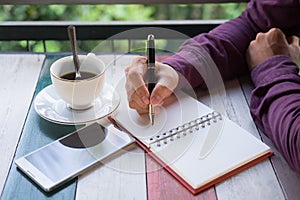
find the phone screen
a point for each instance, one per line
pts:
(73, 153)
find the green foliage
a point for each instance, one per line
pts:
(75, 12)
(28, 13)
(116, 12)
(198, 11)
(107, 13)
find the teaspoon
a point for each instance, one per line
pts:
(73, 40)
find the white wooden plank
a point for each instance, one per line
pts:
(123, 176)
(259, 181)
(288, 178)
(19, 77)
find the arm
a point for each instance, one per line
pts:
(275, 104)
(275, 101)
(227, 44)
(224, 46)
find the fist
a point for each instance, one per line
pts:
(270, 44)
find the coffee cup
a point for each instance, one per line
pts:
(79, 94)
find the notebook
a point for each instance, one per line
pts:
(197, 145)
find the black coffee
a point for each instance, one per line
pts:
(84, 75)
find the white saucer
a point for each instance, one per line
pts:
(50, 107)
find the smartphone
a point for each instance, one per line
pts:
(67, 157)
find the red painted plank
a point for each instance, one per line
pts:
(161, 185)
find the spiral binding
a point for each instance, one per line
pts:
(185, 129)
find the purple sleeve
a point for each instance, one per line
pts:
(275, 105)
(227, 43)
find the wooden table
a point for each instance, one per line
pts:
(22, 130)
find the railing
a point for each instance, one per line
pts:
(53, 30)
(43, 31)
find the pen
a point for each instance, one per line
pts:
(151, 72)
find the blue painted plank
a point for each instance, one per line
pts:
(36, 133)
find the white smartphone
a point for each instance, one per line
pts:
(67, 157)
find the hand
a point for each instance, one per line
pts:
(137, 91)
(270, 44)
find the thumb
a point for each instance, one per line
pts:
(294, 40)
(294, 48)
(294, 43)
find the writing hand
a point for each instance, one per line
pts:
(269, 44)
(137, 92)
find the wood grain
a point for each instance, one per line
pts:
(162, 185)
(119, 177)
(262, 176)
(36, 133)
(288, 178)
(19, 77)
(124, 174)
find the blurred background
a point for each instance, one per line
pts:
(107, 13)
